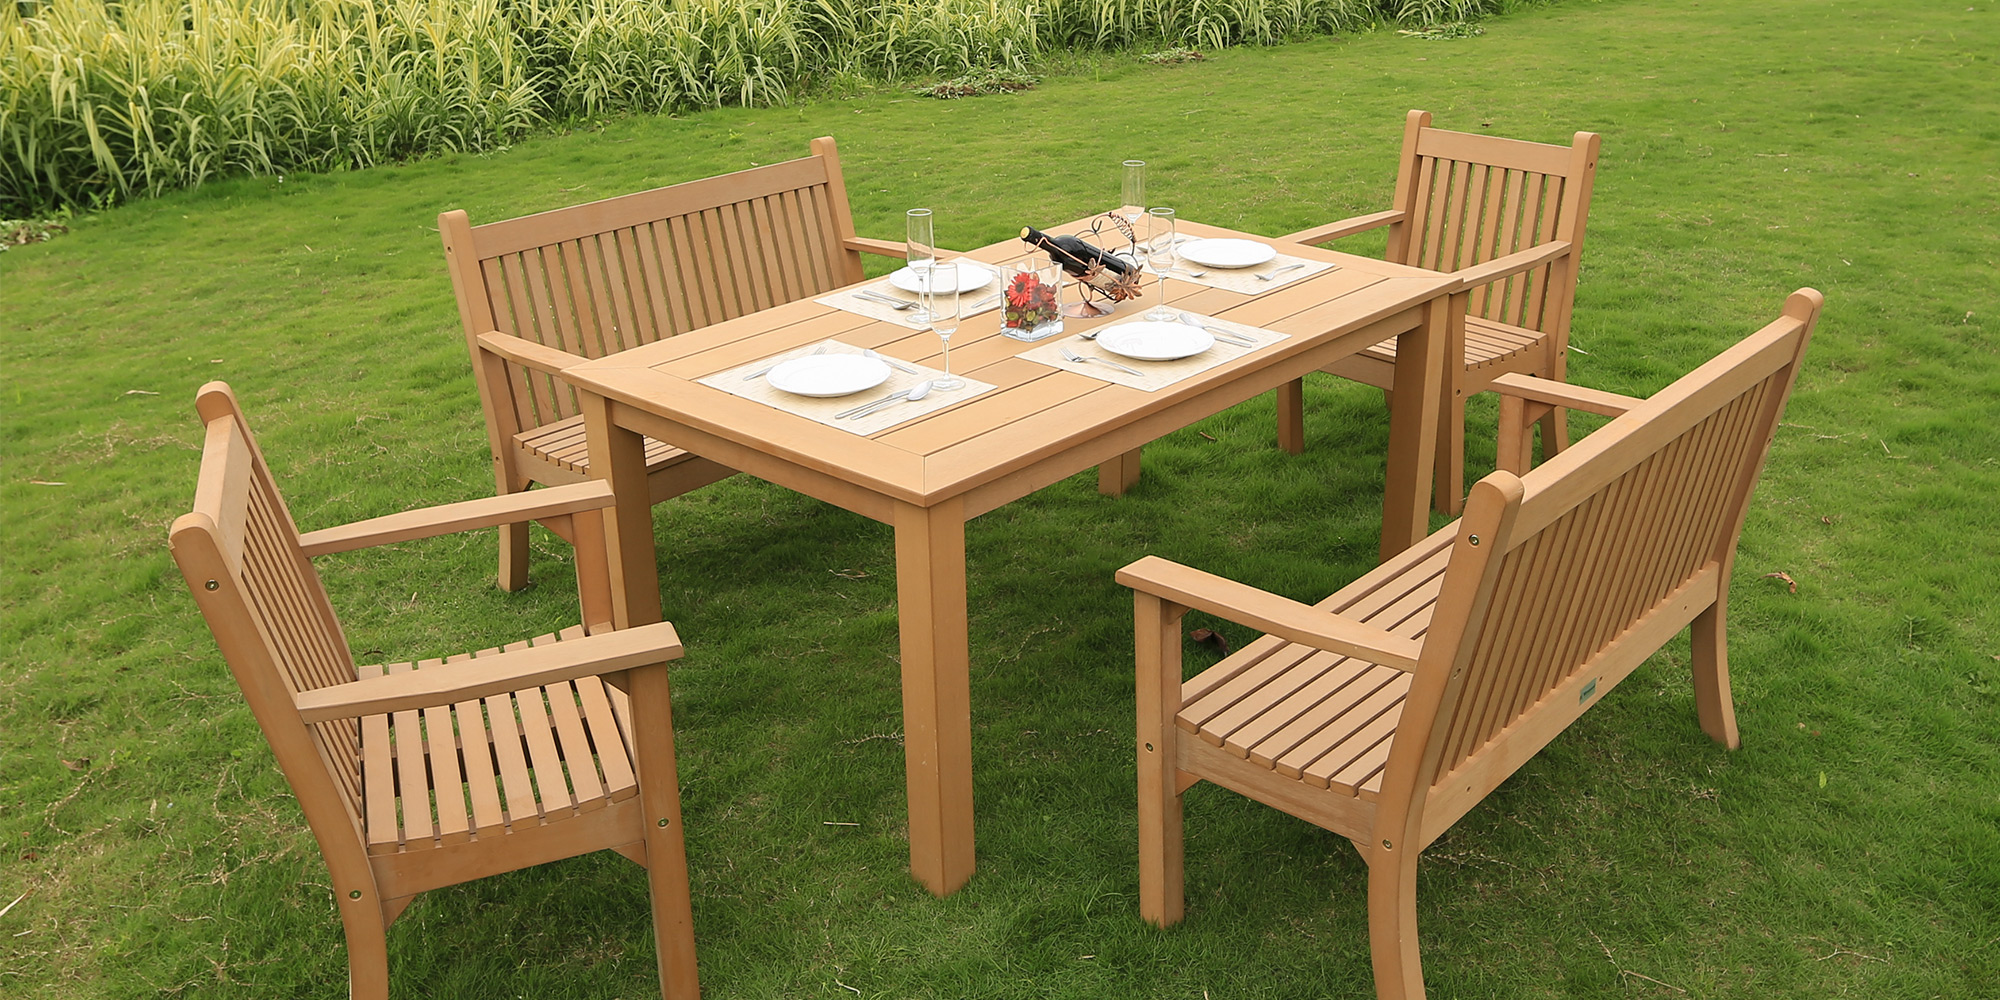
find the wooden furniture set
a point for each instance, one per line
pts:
(1505, 217)
(1383, 713)
(1390, 709)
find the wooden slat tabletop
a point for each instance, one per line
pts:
(1038, 412)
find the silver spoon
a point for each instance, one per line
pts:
(1191, 274)
(1278, 271)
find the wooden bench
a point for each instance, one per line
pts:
(1390, 709)
(1508, 217)
(543, 292)
(544, 754)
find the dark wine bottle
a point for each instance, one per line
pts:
(1073, 254)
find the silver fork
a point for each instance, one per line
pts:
(1269, 275)
(1075, 358)
(897, 304)
(766, 370)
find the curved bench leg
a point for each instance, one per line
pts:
(1392, 925)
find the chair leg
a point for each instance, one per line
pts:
(367, 949)
(1162, 886)
(1292, 416)
(593, 569)
(1516, 441)
(513, 557)
(1713, 703)
(1448, 478)
(1392, 925)
(1555, 432)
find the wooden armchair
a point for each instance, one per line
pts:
(1390, 709)
(414, 776)
(1508, 217)
(543, 292)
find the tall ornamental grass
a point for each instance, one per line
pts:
(103, 99)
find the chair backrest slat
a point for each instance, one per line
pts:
(1475, 198)
(266, 606)
(1617, 529)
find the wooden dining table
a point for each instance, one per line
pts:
(928, 476)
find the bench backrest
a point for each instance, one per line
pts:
(1562, 581)
(602, 277)
(263, 601)
(1471, 198)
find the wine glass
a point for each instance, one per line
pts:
(941, 302)
(920, 250)
(1157, 253)
(1134, 205)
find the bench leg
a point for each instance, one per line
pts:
(1162, 885)
(1292, 416)
(1713, 703)
(1392, 924)
(367, 948)
(1555, 432)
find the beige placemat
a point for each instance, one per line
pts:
(1244, 279)
(902, 375)
(1157, 374)
(985, 299)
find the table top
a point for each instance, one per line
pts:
(1036, 411)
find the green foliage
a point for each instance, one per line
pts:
(979, 83)
(100, 101)
(1748, 149)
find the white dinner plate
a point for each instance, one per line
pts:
(828, 374)
(971, 277)
(1228, 253)
(1150, 341)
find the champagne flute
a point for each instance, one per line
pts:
(942, 303)
(1134, 205)
(1158, 254)
(920, 250)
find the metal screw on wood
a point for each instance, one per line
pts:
(663, 821)
(212, 585)
(1474, 539)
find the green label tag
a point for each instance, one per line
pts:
(1588, 690)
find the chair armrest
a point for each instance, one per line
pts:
(521, 351)
(1280, 616)
(1345, 227)
(1512, 264)
(882, 247)
(1575, 397)
(486, 512)
(498, 673)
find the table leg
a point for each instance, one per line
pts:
(1119, 474)
(618, 454)
(937, 695)
(1413, 426)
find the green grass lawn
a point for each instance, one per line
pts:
(1850, 849)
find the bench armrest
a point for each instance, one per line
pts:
(486, 512)
(884, 248)
(1575, 397)
(1345, 227)
(527, 353)
(1512, 264)
(499, 673)
(1280, 616)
